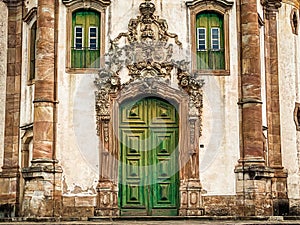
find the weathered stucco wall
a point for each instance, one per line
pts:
(77, 140)
(3, 56)
(289, 94)
(221, 125)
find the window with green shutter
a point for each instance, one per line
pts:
(85, 50)
(210, 41)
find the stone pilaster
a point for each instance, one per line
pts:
(42, 195)
(253, 178)
(9, 177)
(279, 181)
(191, 188)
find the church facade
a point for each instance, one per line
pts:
(149, 108)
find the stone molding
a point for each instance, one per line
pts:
(87, 3)
(270, 6)
(222, 7)
(30, 15)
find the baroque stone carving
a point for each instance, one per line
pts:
(143, 28)
(150, 57)
(147, 54)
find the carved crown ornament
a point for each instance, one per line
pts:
(148, 55)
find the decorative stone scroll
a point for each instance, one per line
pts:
(147, 54)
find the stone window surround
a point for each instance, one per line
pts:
(72, 6)
(296, 119)
(29, 19)
(222, 7)
(294, 29)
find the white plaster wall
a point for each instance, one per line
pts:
(221, 125)
(3, 65)
(77, 140)
(289, 86)
(27, 87)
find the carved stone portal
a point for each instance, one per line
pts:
(146, 55)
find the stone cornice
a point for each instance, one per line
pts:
(103, 3)
(271, 6)
(13, 3)
(223, 3)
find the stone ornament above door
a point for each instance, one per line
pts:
(148, 53)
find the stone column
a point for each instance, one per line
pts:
(253, 177)
(9, 177)
(279, 181)
(43, 179)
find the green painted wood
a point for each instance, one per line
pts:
(149, 158)
(211, 59)
(85, 57)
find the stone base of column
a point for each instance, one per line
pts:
(254, 190)
(43, 189)
(107, 199)
(9, 191)
(191, 199)
(279, 193)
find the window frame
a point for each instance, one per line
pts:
(199, 39)
(212, 39)
(221, 7)
(72, 7)
(75, 38)
(96, 38)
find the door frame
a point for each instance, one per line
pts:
(190, 200)
(163, 211)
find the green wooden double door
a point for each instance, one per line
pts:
(148, 171)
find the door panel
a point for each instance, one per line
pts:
(132, 162)
(165, 167)
(149, 158)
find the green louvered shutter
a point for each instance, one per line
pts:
(85, 39)
(210, 41)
